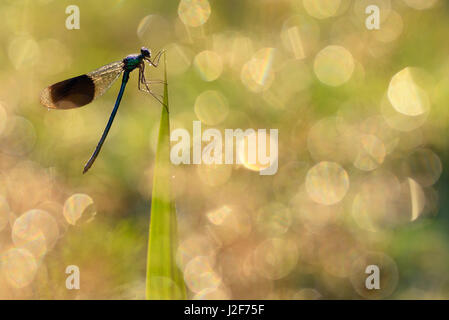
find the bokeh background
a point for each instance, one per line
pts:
(363, 125)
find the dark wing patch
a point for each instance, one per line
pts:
(71, 93)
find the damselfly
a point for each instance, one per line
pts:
(79, 91)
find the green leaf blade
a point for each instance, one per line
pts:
(164, 279)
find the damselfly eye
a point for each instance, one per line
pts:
(145, 52)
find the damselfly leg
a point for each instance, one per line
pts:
(146, 83)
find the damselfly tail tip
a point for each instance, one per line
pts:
(86, 168)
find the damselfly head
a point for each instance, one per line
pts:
(145, 52)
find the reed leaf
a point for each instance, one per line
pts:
(164, 279)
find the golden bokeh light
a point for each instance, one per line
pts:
(322, 9)
(406, 95)
(214, 174)
(288, 178)
(336, 256)
(155, 30)
(292, 40)
(331, 138)
(180, 58)
(334, 65)
(274, 219)
(275, 258)
(195, 245)
(219, 215)
(368, 207)
(327, 183)
(300, 35)
(56, 52)
(417, 197)
(79, 206)
(23, 52)
(209, 65)
(248, 151)
(4, 212)
(37, 231)
(383, 202)
(371, 153)
(19, 136)
(3, 118)
(18, 266)
(421, 4)
(310, 214)
(411, 140)
(424, 166)
(212, 294)
(233, 48)
(307, 294)
(200, 275)
(23, 196)
(194, 13)
(228, 224)
(211, 107)
(391, 28)
(292, 77)
(257, 74)
(400, 121)
(378, 127)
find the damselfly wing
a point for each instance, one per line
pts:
(79, 91)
